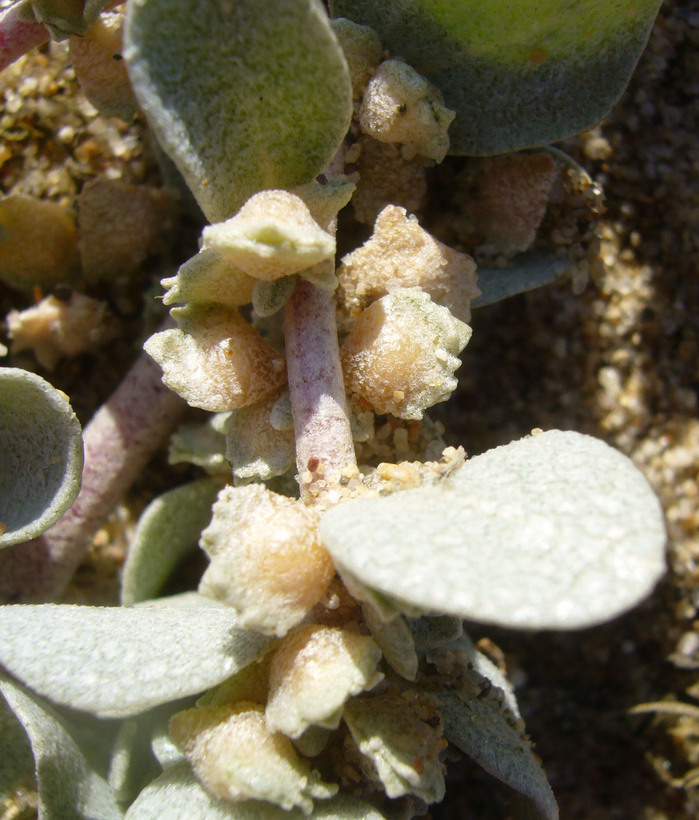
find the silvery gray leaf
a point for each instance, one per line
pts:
(41, 455)
(481, 730)
(555, 531)
(68, 786)
(168, 529)
(178, 795)
(116, 661)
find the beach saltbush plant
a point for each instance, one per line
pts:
(321, 668)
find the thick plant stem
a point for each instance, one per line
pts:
(119, 440)
(324, 446)
(17, 37)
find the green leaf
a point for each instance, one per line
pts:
(41, 455)
(168, 529)
(556, 531)
(116, 662)
(527, 272)
(244, 96)
(177, 794)
(68, 786)
(480, 730)
(517, 74)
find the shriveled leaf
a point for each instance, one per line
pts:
(168, 529)
(215, 360)
(517, 75)
(68, 786)
(528, 271)
(178, 795)
(41, 455)
(243, 97)
(555, 531)
(480, 730)
(401, 734)
(115, 661)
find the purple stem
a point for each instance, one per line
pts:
(119, 440)
(18, 38)
(324, 445)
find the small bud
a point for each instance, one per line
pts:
(237, 758)
(362, 49)
(55, 328)
(266, 560)
(400, 254)
(272, 235)
(401, 734)
(215, 360)
(401, 353)
(401, 106)
(314, 672)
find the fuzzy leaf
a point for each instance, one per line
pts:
(41, 455)
(133, 763)
(16, 760)
(243, 96)
(168, 529)
(480, 730)
(527, 272)
(178, 795)
(68, 787)
(555, 531)
(269, 298)
(116, 662)
(517, 75)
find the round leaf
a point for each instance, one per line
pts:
(517, 74)
(556, 531)
(243, 96)
(41, 455)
